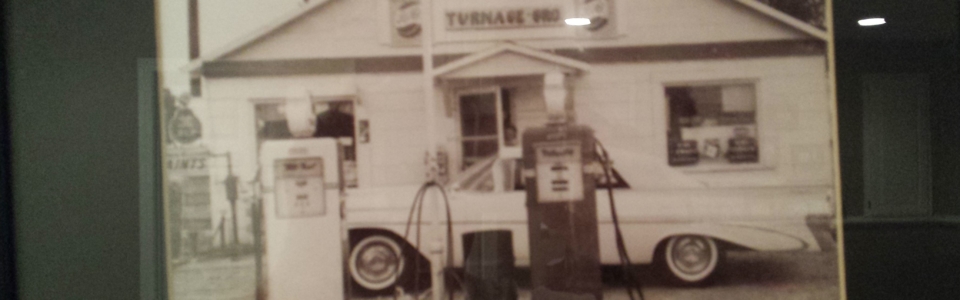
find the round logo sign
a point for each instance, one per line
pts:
(598, 11)
(406, 19)
(185, 127)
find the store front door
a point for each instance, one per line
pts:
(481, 117)
(493, 96)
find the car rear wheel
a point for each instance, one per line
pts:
(691, 259)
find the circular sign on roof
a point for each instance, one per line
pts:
(406, 19)
(184, 127)
(598, 11)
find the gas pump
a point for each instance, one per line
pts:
(561, 203)
(302, 203)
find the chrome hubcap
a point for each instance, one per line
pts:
(377, 263)
(691, 255)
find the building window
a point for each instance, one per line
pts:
(272, 122)
(334, 119)
(712, 125)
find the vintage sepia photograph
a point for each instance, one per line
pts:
(497, 149)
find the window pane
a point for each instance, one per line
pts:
(334, 119)
(712, 125)
(477, 150)
(738, 98)
(478, 114)
(271, 122)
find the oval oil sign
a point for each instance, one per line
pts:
(598, 11)
(185, 127)
(406, 19)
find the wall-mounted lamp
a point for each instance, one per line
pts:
(577, 21)
(872, 22)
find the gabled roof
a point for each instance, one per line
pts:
(543, 59)
(258, 34)
(786, 19)
(264, 31)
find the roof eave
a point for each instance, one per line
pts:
(786, 19)
(195, 66)
(254, 36)
(509, 47)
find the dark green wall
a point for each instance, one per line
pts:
(921, 36)
(901, 260)
(939, 60)
(7, 280)
(72, 70)
(946, 129)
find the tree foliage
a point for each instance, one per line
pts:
(811, 11)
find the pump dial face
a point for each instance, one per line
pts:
(559, 172)
(300, 187)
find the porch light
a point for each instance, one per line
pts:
(872, 22)
(577, 21)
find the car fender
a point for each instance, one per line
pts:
(642, 240)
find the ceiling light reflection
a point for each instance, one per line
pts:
(872, 22)
(577, 21)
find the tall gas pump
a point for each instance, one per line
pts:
(561, 203)
(301, 204)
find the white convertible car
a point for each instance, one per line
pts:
(685, 231)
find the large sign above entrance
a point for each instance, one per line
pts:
(503, 18)
(492, 20)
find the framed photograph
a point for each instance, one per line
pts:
(543, 149)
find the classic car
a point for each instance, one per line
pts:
(684, 233)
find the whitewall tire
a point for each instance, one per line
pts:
(376, 263)
(691, 259)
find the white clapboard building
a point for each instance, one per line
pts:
(683, 86)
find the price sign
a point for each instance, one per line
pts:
(559, 172)
(300, 188)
